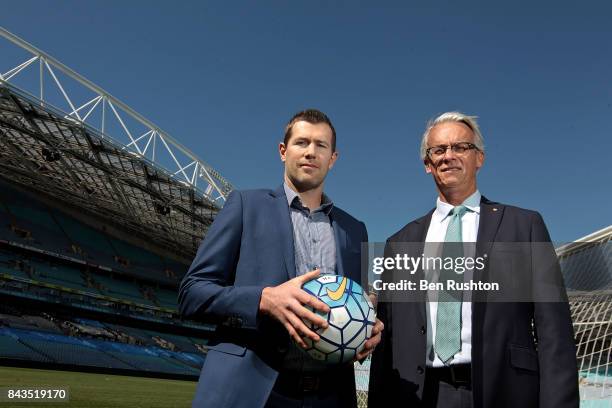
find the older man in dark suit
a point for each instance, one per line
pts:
(466, 352)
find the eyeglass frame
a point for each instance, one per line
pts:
(471, 146)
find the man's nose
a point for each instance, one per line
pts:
(449, 154)
(311, 150)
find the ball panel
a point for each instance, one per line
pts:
(358, 340)
(351, 330)
(339, 317)
(325, 346)
(354, 309)
(335, 358)
(317, 355)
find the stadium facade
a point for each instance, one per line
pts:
(101, 212)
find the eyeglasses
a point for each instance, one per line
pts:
(460, 148)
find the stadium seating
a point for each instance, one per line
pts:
(147, 358)
(47, 264)
(74, 353)
(192, 359)
(13, 272)
(140, 335)
(141, 261)
(181, 342)
(23, 215)
(59, 275)
(93, 243)
(89, 322)
(41, 324)
(167, 298)
(24, 344)
(31, 223)
(122, 289)
(12, 347)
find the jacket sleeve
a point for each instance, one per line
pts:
(553, 324)
(384, 381)
(208, 289)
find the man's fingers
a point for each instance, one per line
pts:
(378, 328)
(361, 355)
(373, 299)
(372, 342)
(311, 317)
(308, 276)
(368, 348)
(301, 328)
(309, 300)
(296, 337)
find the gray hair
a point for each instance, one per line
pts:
(469, 121)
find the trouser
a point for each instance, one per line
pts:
(321, 390)
(448, 387)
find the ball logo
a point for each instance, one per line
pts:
(337, 294)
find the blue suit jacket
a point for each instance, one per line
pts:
(248, 247)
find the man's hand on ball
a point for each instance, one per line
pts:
(286, 303)
(370, 345)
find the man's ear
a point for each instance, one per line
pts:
(282, 150)
(427, 164)
(333, 159)
(480, 160)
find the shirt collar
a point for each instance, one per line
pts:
(472, 202)
(293, 200)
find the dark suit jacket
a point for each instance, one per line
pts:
(248, 247)
(511, 367)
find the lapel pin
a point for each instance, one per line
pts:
(494, 209)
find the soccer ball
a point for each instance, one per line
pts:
(350, 319)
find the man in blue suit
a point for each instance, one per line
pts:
(248, 272)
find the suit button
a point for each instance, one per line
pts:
(420, 370)
(423, 330)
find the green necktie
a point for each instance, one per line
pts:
(448, 321)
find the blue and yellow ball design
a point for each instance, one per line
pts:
(350, 319)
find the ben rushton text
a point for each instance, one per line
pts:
(425, 285)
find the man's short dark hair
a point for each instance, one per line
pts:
(312, 116)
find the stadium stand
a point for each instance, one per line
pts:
(94, 239)
(46, 254)
(85, 342)
(13, 348)
(34, 224)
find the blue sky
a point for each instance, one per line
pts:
(224, 77)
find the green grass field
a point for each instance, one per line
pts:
(100, 390)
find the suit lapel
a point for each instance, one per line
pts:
(423, 226)
(285, 227)
(341, 246)
(421, 234)
(490, 217)
(413, 236)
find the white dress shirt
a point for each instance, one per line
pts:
(436, 234)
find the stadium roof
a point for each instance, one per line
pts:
(603, 235)
(72, 159)
(587, 264)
